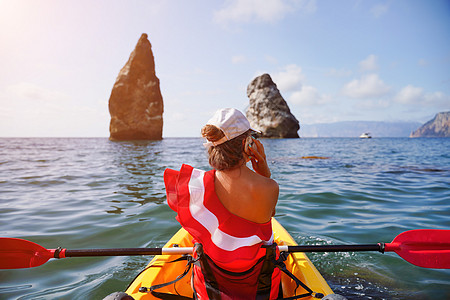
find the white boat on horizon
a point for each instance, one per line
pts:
(365, 135)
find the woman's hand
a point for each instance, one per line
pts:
(258, 159)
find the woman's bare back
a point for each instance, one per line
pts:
(247, 194)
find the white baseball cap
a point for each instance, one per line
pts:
(232, 122)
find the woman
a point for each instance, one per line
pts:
(228, 212)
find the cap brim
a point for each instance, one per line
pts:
(254, 130)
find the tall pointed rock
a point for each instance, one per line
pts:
(136, 105)
(268, 111)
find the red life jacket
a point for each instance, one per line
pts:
(231, 244)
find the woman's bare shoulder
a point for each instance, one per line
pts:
(265, 183)
(267, 190)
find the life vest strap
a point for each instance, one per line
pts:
(282, 266)
(269, 262)
(205, 263)
(190, 260)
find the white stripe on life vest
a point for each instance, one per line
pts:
(208, 220)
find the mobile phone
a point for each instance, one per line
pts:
(248, 143)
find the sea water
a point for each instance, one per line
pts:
(93, 193)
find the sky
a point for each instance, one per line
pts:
(332, 60)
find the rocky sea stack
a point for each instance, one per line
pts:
(268, 111)
(437, 127)
(136, 104)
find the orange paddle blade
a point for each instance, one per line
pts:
(18, 253)
(427, 248)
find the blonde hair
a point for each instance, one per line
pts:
(227, 155)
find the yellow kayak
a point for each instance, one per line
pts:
(159, 271)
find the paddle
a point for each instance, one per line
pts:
(427, 248)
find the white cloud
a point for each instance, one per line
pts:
(369, 86)
(256, 11)
(308, 96)
(409, 95)
(438, 99)
(379, 10)
(238, 59)
(369, 64)
(416, 95)
(289, 79)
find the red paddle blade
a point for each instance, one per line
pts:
(18, 253)
(427, 248)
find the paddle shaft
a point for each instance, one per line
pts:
(62, 253)
(335, 248)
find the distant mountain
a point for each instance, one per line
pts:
(355, 128)
(437, 127)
